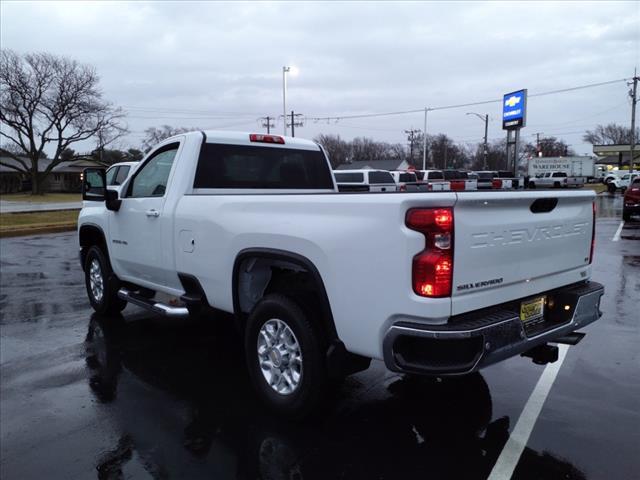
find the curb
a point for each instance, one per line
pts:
(39, 230)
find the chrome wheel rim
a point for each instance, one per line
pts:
(279, 356)
(95, 280)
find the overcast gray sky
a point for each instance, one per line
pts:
(219, 65)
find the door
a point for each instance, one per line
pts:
(135, 231)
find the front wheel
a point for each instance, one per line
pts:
(532, 185)
(101, 283)
(612, 188)
(284, 353)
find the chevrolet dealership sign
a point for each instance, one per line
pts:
(514, 110)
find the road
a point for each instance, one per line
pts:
(7, 206)
(143, 397)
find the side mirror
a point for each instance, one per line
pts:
(94, 184)
(112, 202)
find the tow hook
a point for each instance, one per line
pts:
(542, 354)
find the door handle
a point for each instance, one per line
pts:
(152, 213)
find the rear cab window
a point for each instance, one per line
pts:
(223, 166)
(407, 177)
(380, 177)
(349, 177)
(436, 176)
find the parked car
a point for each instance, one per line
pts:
(621, 183)
(364, 181)
(631, 201)
(555, 180)
(319, 282)
(507, 179)
(460, 180)
(407, 182)
(434, 180)
(484, 179)
(612, 175)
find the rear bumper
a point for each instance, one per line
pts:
(477, 339)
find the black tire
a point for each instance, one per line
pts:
(108, 303)
(313, 383)
(556, 185)
(626, 215)
(611, 187)
(532, 185)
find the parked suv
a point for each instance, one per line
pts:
(433, 179)
(364, 181)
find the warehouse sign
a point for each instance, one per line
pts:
(514, 110)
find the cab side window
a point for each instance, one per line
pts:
(111, 174)
(151, 179)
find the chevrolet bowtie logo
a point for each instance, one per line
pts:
(512, 101)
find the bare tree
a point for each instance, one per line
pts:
(50, 101)
(611, 134)
(337, 149)
(549, 147)
(154, 135)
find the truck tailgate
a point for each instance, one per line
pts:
(510, 246)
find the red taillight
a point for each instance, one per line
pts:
(496, 183)
(593, 234)
(259, 137)
(432, 271)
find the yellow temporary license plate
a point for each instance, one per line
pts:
(532, 309)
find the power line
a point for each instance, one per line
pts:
(460, 105)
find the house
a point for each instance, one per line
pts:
(375, 165)
(64, 177)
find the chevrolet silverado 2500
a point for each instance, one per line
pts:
(320, 282)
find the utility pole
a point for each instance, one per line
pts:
(266, 123)
(634, 99)
(485, 119)
(486, 131)
(538, 151)
(412, 134)
(294, 123)
(424, 140)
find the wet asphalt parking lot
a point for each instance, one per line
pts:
(83, 396)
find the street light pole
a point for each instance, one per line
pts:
(284, 97)
(485, 119)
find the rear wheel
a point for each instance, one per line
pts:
(532, 184)
(102, 284)
(611, 187)
(284, 353)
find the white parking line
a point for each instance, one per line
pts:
(510, 455)
(616, 237)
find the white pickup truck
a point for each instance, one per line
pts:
(320, 282)
(556, 180)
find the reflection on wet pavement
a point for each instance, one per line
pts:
(419, 427)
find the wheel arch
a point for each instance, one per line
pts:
(267, 258)
(88, 236)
